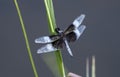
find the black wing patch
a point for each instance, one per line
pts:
(71, 37)
(58, 43)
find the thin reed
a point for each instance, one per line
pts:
(26, 39)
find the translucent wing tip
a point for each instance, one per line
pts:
(71, 54)
(47, 48)
(82, 28)
(68, 48)
(82, 15)
(36, 41)
(39, 51)
(79, 31)
(44, 39)
(78, 20)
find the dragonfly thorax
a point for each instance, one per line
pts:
(59, 32)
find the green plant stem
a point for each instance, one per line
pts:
(26, 39)
(52, 26)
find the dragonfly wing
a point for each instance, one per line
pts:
(55, 37)
(77, 22)
(47, 48)
(69, 29)
(44, 39)
(68, 48)
(47, 39)
(79, 31)
(75, 34)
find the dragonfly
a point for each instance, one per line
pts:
(62, 38)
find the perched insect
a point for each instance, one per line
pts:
(55, 42)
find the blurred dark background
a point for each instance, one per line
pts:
(101, 37)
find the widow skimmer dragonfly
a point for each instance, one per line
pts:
(55, 42)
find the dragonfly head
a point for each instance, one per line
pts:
(58, 30)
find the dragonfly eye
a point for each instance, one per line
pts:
(57, 30)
